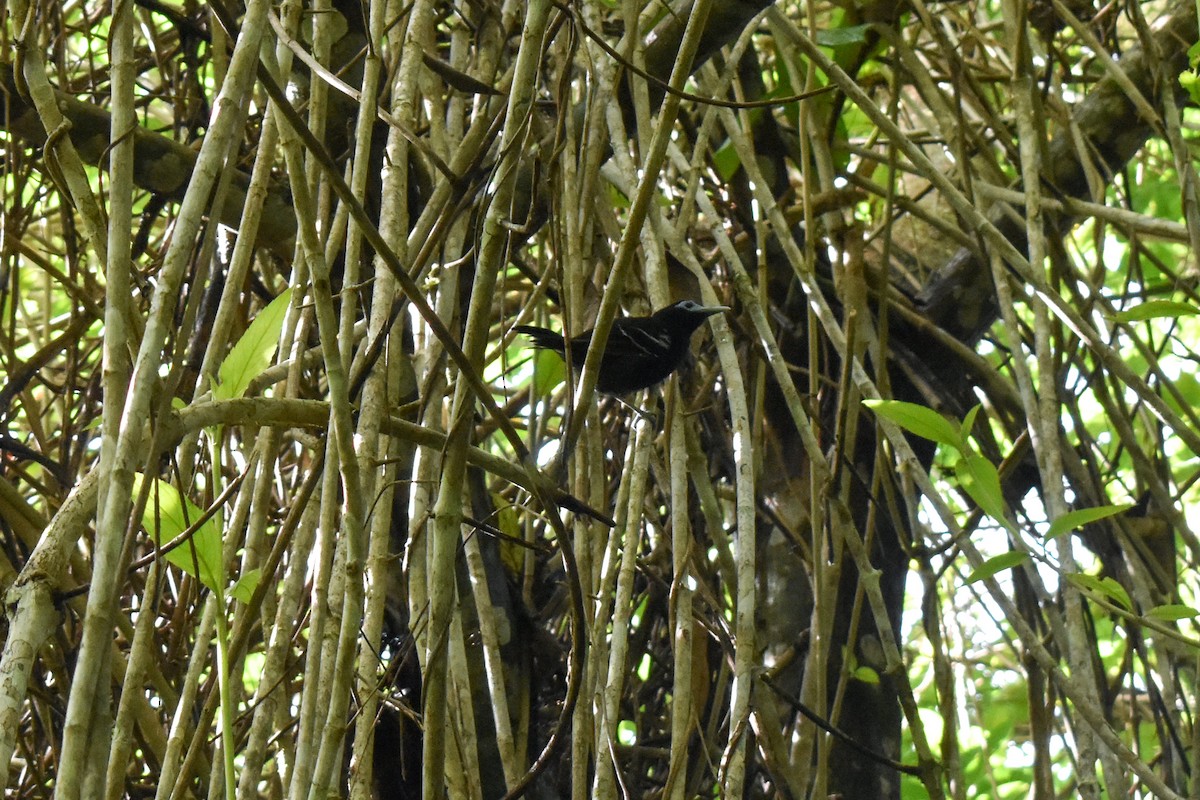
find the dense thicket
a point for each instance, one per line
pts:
(290, 510)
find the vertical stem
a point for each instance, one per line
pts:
(609, 691)
(646, 192)
(125, 447)
(682, 624)
(447, 515)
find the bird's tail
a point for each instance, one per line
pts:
(542, 337)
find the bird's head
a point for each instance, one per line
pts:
(687, 314)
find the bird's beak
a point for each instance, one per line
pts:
(708, 311)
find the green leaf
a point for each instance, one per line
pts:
(254, 351)
(726, 160)
(997, 564)
(1105, 587)
(1193, 55)
(1081, 580)
(1117, 592)
(866, 675)
(243, 590)
(924, 422)
(549, 370)
(836, 37)
(1073, 520)
(1156, 309)
(615, 197)
(1190, 82)
(981, 481)
(968, 423)
(166, 516)
(1173, 612)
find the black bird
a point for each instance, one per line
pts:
(640, 351)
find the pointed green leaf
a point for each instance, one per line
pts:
(254, 351)
(243, 590)
(1117, 592)
(1173, 612)
(167, 515)
(1105, 587)
(968, 423)
(1156, 309)
(1081, 580)
(924, 422)
(981, 481)
(1074, 520)
(997, 564)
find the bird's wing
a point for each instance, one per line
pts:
(635, 340)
